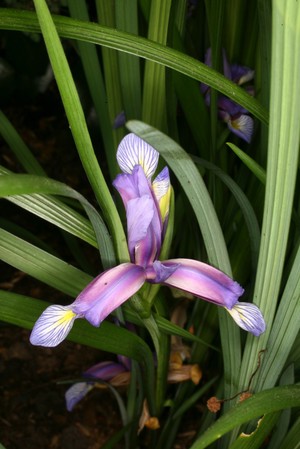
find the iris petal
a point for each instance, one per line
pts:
(108, 291)
(242, 127)
(140, 213)
(204, 281)
(53, 326)
(75, 393)
(134, 151)
(162, 191)
(132, 185)
(105, 370)
(248, 317)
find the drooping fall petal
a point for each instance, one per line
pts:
(53, 326)
(75, 393)
(204, 281)
(108, 291)
(248, 317)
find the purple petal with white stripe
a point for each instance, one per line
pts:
(204, 281)
(108, 291)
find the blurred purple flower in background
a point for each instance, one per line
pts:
(147, 209)
(113, 373)
(235, 116)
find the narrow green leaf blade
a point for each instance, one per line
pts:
(259, 404)
(152, 51)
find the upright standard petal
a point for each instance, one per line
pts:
(204, 281)
(144, 225)
(134, 151)
(241, 74)
(248, 317)
(162, 191)
(53, 326)
(108, 291)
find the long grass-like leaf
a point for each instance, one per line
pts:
(259, 404)
(91, 32)
(78, 126)
(283, 151)
(19, 147)
(154, 93)
(130, 77)
(256, 169)
(93, 73)
(26, 184)
(115, 102)
(54, 211)
(284, 331)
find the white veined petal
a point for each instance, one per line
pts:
(162, 191)
(134, 151)
(242, 127)
(248, 317)
(161, 184)
(53, 326)
(75, 393)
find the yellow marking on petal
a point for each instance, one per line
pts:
(68, 316)
(163, 199)
(164, 204)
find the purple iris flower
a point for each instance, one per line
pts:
(115, 373)
(147, 208)
(235, 116)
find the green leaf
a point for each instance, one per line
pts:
(91, 32)
(52, 210)
(255, 439)
(17, 145)
(268, 401)
(291, 441)
(282, 168)
(284, 331)
(95, 80)
(127, 20)
(42, 265)
(25, 184)
(256, 169)
(75, 115)
(154, 94)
